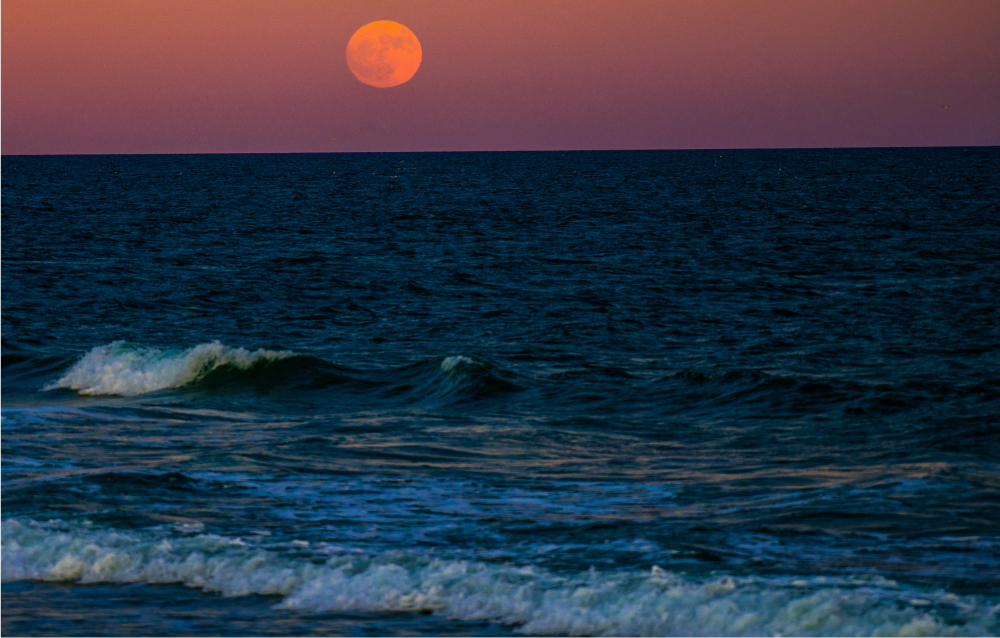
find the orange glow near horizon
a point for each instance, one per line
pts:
(384, 54)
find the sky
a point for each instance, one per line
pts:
(224, 76)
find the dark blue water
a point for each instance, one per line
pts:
(730, 392)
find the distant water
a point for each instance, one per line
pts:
(592, 393)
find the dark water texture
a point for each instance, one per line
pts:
(778, 367)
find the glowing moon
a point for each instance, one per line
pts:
(383, 54)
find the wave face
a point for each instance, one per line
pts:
(651, 601)
(127, 369)
(131, 369)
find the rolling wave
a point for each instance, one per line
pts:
(451, 379)
(128, 369)
(647, 601)
(124, 369)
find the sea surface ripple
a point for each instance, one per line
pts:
(580, 393)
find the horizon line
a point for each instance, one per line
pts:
(594, 150)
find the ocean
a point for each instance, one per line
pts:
(737, 392)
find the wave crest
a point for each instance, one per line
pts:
(128, 369)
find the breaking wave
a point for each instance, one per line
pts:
(650, 601)
(128, 369)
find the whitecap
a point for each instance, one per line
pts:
(450, 363)
(649, 601)
(127, 369)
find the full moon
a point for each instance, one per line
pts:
(383, 54)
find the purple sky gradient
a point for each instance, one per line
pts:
(219, 76)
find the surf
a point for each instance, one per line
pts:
(642, 601)
(128, 369)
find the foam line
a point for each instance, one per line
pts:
(648, 601)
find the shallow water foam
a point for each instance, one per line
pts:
(647, 601)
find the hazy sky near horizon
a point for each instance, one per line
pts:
(219, 76)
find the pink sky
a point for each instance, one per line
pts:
(219, 76)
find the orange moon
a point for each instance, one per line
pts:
(383, 54)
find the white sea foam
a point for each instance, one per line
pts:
(651, 601)
(126, 369)
(450, 363)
